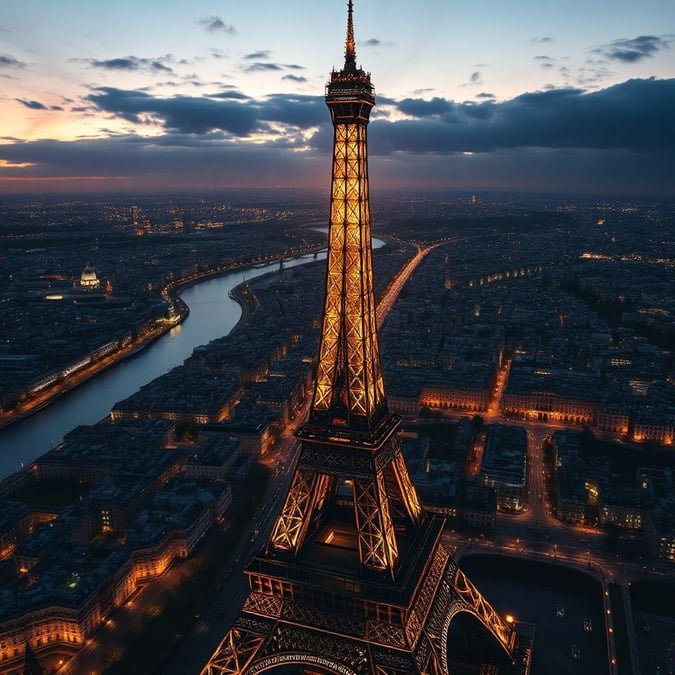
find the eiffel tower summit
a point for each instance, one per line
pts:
(354, 578)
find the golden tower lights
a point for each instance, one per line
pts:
(354, 578)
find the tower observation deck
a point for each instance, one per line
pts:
(354, 578)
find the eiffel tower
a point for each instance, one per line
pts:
(354, 578)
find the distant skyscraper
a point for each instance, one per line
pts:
(354, 578)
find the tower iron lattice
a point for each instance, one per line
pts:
(354, 578)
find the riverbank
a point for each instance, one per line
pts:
(48, 396)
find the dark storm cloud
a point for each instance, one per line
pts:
(188, 162)
(617, 172)
(418, 107)
(215, 24)
(385, 101)
(9, 61)
(33, 105)
(633, 115)
(192, 115)
(177, 161)
(298, 111)
(620, 139)
(186, 114)
(257, 56)
(635, 49)
(130, 63)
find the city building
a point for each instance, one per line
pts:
(504, 465)
(144, 501)
(88, 279)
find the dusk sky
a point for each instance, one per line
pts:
(147, 95)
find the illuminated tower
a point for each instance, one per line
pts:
(354, 578)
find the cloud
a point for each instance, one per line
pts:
(418, 107)
(589, 77)
(132, 163)
(620, 139)
(181, 163)
(131, 63)
(9, 61)
(634, 49)
(231, 94)
(262, 67)
(634, 115)
(485, 95)
(294, 78)
(185, 114)
(372, 42)
(540, 40)
(545, 61)
(296, 110)
(205, 115)
(256, 56)
(215, 24)
(267, 66)
(33, 105)
(156, 65)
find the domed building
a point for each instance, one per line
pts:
(88, 280)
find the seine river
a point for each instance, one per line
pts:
(212, 314)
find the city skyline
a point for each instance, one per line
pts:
(210, 96)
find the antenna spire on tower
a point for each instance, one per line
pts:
(350, 49)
